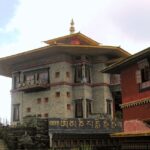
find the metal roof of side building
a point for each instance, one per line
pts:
(118, 66)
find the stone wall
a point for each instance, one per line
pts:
(62, 106)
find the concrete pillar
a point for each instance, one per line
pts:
(49, 73)
(50, 140)
(84, 108)
(83, 74)
(13, 82)
(84, 102)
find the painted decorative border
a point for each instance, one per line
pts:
(135, 103)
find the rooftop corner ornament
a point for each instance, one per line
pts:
(72, 29)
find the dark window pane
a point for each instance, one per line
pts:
(109, 107)
(78, 110)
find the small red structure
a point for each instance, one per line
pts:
(135, 84)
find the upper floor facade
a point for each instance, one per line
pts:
(62, 80)
(71, 88)
(135, 84)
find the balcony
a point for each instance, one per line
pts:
(32, 86)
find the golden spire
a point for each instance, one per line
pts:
(72, 29)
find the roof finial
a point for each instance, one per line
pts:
(72, 29)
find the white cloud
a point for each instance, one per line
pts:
(43, 19)
(132, 17)
(107, 21)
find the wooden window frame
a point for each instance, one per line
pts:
(78, 109)
(109, 106)
(88, 73)
(78, 74)
(143, 74)
(16, 80)
(43, 76)
(88, 107)
(30, 78)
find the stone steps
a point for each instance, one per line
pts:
(3, 145)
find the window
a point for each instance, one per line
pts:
(43, 77)
(17, 80)
(88, 107)
(57, 74)
(68, 107)
(46, 99)
(16, 112)
(39, 100)
(109, 107)
(82, 74)
(68, 94)
(28, 109)
(57, 94)
(78, 109)
(78, 74)
(46, 115)
(143, 74)
(36, 76)
(67, 74)
(87, 74)
(29, 78)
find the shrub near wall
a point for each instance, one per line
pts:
(33, 134)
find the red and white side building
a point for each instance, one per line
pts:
(135, 89)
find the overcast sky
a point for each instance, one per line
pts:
(24, 24)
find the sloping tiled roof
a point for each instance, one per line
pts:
(54, 48)
(78, 35)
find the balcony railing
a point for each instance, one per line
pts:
(32, 86)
